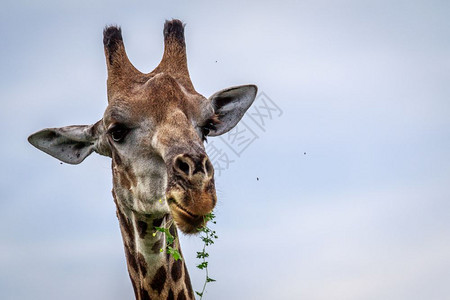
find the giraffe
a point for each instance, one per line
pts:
(153, 129)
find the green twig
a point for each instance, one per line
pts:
(170, 239)
(207, 236)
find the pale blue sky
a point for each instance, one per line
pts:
(364, 90)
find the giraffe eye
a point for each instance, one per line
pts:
(118, 133)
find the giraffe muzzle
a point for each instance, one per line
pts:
(191, 192)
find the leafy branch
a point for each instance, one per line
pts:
(170, 239)
(208, 236)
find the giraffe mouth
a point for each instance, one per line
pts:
(187, 221)
(174, 202)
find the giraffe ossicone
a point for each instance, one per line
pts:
(153, 129)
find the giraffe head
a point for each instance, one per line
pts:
(153, 129)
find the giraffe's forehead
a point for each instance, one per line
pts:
(156, 100)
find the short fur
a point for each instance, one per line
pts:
(153, 129)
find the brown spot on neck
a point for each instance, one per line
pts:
(187, 282)
(142, 264)
(159, 279)
(176, 270)
(141, 227)
(181, 295)
(131, 259)
(144, 295)
(157, 246)
(158, 222)
(126, 226)
(170, 296)
(134, 283)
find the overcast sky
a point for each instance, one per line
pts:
(342, 193)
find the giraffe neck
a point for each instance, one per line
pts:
(154, 273)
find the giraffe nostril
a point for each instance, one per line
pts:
(190, 166)
(182, 165)
(208, 167)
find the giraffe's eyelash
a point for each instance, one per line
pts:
(209, 125)
(118, 132)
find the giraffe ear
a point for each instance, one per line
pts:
(70, 144)
(230, 106)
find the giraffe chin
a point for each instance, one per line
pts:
(185, 220)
